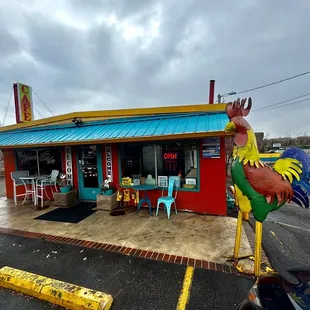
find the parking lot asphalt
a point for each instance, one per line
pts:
(11, 300)
(134, 283)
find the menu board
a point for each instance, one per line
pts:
(211, 148)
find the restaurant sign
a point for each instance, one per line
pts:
(108, 160)
(69, 174)
(23, 102)
(170, 155)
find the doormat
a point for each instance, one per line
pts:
(74, 214)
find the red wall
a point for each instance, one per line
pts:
(210, 199)
(9, 166)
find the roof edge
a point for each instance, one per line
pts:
(197, 135)
(220, 107)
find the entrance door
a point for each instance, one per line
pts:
(90, 171)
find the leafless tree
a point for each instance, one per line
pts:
(289, 140)
(260, 138)
(303, 139)
(229, 146)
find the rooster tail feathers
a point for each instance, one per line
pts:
(294, 165)
(305, 184)
(288, 168)
(300, 196)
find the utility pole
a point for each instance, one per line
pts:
(220, 97)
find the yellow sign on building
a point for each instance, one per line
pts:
(25, 104)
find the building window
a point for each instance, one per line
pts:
(137, 160)
(39, 161)
(162, 161)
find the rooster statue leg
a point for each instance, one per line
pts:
(258, 248)
(238, 236)
(246, 216)
(243, 204)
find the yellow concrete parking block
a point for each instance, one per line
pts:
(57, 292)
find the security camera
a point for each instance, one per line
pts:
(77, 121)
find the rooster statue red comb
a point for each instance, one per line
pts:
(237, 108)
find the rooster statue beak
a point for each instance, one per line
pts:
(230, 127)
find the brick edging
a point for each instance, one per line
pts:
(174, 259)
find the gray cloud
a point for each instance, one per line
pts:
(90, 55)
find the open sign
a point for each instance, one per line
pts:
(170, 156)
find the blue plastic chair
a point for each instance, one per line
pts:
(168, 200)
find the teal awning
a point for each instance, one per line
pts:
(114, 130)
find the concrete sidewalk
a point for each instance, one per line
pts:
(196, 236)
(201, 237)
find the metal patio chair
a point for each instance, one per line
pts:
(230, 202)
(42, 183)
(17, 182)
(168, 200)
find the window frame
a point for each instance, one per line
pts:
(181, 189)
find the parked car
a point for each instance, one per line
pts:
(276, 292)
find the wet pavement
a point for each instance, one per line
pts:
(11, 300)
(134, 283)
(286, 237)
(197, 236)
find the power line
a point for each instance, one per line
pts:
(43, 103)
(37, 111)
(284, 105)
(7, 107)
(269, 84)
(279, 103)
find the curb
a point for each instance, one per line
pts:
(54, 291)
(174, 259)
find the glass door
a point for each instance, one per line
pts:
(90, 171)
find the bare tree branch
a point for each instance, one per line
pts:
(229, 146)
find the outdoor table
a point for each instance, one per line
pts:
(145, 188)
(31, 179)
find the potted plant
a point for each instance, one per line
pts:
(106, 188)
(63, 183)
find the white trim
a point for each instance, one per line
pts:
(155, 158)
(38, 162)
(69, 170)
(108, 162)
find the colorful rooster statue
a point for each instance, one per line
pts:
(257, 187)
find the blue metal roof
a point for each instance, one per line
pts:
(117, 129)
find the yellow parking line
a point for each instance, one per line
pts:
(275, 236)
(187, 283)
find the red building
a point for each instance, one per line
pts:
(185, 142)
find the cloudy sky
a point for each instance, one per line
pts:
(104, 54)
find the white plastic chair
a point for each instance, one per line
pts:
(15, 176)
(42, 183)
